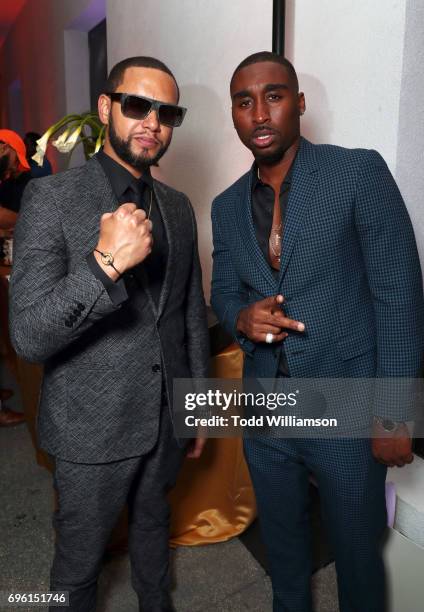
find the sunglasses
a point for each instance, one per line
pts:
(138, 107)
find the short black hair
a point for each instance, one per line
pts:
(268, 56)
(116, 75)
(30, 140)
(32, 137)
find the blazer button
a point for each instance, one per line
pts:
(72, 318)
(80, 306)
(156, 368)
(77, 312)
(68, 323)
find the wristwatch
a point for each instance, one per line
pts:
(387, 424)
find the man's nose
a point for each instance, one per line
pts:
(152, 121)
(260, 112)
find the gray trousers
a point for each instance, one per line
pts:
(90, 499)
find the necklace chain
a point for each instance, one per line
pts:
(150, 205)
(275, 235)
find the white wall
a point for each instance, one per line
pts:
(202, 42)
(77, 71)
(359, 63)
(410, 149)
(77, 81)
(350, 58)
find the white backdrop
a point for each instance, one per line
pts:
(202, 41)
(350, 56)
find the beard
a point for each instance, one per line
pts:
(123, 150)
(270, 159)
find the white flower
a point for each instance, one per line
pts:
(70, 137)
(42, 142)
(60, 140)
(42, 146)
(99, 141)
(38, 157)
(66, 144)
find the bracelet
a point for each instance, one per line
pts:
(107, 260)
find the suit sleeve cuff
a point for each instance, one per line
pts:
(231, 315)
(116, 290)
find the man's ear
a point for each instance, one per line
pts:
(301, 103)
(104, 108)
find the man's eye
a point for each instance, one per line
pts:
(273, 97)
(245, 103)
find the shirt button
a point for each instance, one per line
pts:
(156, 368)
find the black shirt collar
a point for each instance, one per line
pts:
(256, 181)
(119, 177)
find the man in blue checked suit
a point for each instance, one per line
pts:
(316, 274)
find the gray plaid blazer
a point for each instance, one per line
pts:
(350, 271)
(103, 374)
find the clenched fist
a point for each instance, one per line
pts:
(127, 235)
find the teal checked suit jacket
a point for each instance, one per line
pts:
(350, 270)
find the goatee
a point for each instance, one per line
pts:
(270, 159)
(123, 150)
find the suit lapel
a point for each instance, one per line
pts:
(170, 217)
(101, 200)
(247, 229)
(304, 184)
(104, 200)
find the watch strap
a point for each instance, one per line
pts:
(387, 424)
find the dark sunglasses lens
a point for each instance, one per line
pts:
(136, 108)
(170, 115)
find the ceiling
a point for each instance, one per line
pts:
(9, 10)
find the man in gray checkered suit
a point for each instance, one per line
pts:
(106, 292)
(316, 274)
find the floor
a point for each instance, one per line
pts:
(224, 577)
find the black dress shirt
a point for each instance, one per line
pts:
(140, 191)
(262, 214)
(263, 209)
